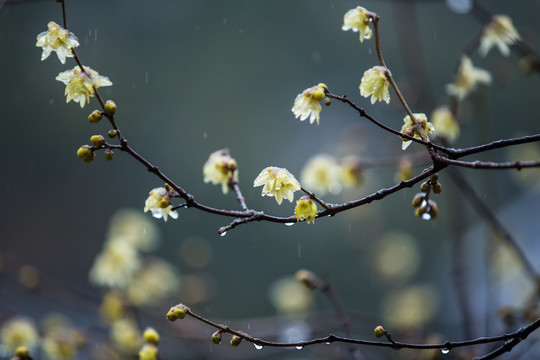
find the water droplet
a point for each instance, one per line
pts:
(445, 351)
(426, 216)
(223, 233)
(204, 135)
(289, 224)
(327, 343)
(258, 347)
(299, 347)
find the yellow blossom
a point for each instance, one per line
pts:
(322, 174)
(61, 339)
(289, 296)
(374, 83)
(116, 265)
(219, 168)
(155, 282)
(445, 123)
(112, 307)
(80, 85)
(351, 172)
(148, 352)
(56, 39)
(358, 19)
(467, 78)
(410, 128)
(133, 227)
(278, 182)
(126, 336)
(500, 32)
(159, 203)
(307, 104)
(305, 209)
(19, 331)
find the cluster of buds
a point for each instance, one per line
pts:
(88, 153)
(425, 207)
(149, 350)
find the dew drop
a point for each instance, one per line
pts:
(445, 351)
(258, 347)
(299, 347)
(289, 224)
(223, 233)
(426, 216)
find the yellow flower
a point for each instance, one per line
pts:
(135, 228)
(80, 85)
(445, 123)
(467, 78)
(410, 128)
(374, 83)
(500, 32)
(148, 352)
(159, 203)
(219, 169)
(322, 174)
(305, 209)
(157, 281)
(351, 171)
(126, 336)
(56, 39)
(116, 265)
(278, 182)
(307, 104)
(19, 331)
(289, 296)
(358, 19)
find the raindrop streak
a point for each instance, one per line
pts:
(95, 35)
(445, 351)
(204, 135)
(299, 250)
(224, 21)
(146, 78)
(258, 347)
(289, 224)
(299, 347)
(223, 233)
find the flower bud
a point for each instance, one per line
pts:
(418, 199)
(84, 152)
(177, 312)
(97, 140)
(151, 336)
(236, 340)
(22, 352)
(437, 188)
(433, 178)
(433, 209)
(112, 133)
(95, 116)
(217, 336)
(327, 101)
(308, 278)
(108, 154)
(110, 107)
(379, 331)
(424, 187)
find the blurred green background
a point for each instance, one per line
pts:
(192, 77)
